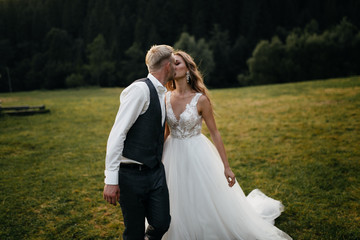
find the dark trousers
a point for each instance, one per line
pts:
(144, 193)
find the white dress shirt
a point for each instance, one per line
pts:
(134, 101)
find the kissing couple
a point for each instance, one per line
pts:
(171, 181)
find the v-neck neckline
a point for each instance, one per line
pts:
(186, 107)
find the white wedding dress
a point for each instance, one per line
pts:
(202, 205)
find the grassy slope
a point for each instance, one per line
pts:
(296, 142)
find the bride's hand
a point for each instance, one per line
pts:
(230, 176)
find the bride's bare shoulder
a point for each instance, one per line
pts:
(204, 104)
(203, 99)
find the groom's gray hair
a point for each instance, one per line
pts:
(156, 55)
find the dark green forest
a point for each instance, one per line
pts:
(52, 44)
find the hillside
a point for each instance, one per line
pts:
(297, 142)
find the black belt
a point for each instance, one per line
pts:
(134, 166)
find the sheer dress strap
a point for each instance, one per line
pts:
(168, 96)
(195, 99)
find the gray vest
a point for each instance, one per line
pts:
(144, 141)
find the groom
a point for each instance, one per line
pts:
(134, 173)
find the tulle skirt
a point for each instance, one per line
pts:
(203, 206)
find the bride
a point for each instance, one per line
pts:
(206, 202)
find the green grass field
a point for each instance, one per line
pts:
(298, 143)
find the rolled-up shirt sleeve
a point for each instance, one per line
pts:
(132, 102)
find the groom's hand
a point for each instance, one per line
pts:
(111, 194)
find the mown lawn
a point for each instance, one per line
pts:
(296, 142)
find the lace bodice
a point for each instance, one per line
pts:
(189, 122)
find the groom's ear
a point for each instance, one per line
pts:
(168, 65)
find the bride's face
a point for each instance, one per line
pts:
(180, 67)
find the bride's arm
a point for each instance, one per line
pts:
(205, 109)
(167, 131)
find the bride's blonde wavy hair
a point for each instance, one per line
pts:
(196, 80)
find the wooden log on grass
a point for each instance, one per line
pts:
(23, 110)
(21, 107)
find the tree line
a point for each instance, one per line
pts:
(305, 54)
(70, 43)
